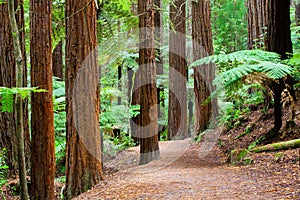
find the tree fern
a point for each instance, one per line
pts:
(242, 57)
(246, 62)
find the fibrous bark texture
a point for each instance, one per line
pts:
(42, 117)
(83, 156)
(177, 111)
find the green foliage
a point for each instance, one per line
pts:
(278, 156)
(229, 25)
(241, 72)
(3, 170)
(295, 61)
(58, 21)
(7, 96)
(256, 142)
(59, 102)
(243, 63)
(116, 17)
(122, 142)
(113, 115)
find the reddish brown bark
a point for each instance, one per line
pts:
(57, 61)
(158, 36)
(8, 79)
(204, 74)
(177, 115)
(42, 124)
(83, 156)
(257, 23)
(148, 130)
(297, 13)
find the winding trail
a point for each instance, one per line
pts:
(184, 172)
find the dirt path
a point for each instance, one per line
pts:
(184, 172)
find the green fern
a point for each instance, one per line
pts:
(242, 57)
(7, 96)
(246, 62)
(7, 101)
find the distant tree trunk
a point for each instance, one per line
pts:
(57, 61)
(158, 37)
(119, 83)
(134, 94)
(177, 115)
(42, 123)
(148, 132)
(83, 156)
(257, 23)
(19, 59)
(158, 34)
(279, 41)
(297, 12)
(8, 79)
(204, 74)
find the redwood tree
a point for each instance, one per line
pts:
(158, 37)
(204, 74)
(177, 115)
(148, 130)
(297, 12)
(42, 123)
(57, 61)
(257, 22)
(83, 156)
(279, 41)
(8, 79)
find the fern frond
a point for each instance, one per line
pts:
(7, 101)
(245, 56)
(7, 96)
(271, 70)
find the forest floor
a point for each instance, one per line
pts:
(183, 173)
(202, 170)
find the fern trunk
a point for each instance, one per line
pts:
(19, 102)
(279, 41)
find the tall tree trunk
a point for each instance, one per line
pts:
(83, 156)
(19, 103)
(204, 74)
(158, 37)
(177, 115)
(57, 58)
(8, 79)
(148, 132)
(257, 23)
(42, 124)
(135, 90)
(279, 41)
(119, 83)
(297, 12)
